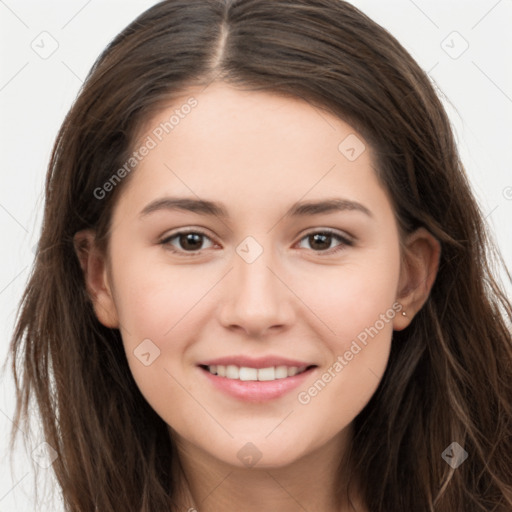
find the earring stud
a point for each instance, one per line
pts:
(404, 313)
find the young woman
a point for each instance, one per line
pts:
(263, 281)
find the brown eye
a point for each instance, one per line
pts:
(187, 242)
(320, 241)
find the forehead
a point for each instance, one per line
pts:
(255, 148)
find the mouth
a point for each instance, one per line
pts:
(247, 373)
(255, 385)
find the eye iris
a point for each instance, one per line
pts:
(320, 237)
(193, 241)
(191, 237)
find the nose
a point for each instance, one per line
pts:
(256, 297)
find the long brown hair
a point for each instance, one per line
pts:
(449, 376)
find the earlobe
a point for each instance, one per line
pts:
(94, 268)
(418, 272)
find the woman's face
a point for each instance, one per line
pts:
(259, 284)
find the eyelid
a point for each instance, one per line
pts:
(345, 238)
(330, 231)
(165, 240)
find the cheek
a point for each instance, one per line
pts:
(157, 311)
(359, 354)
(351, 297)
(153, 300)
(356, 303)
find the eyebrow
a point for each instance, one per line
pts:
(300, 208)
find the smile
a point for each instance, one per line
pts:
(245, 373)
(255, 385)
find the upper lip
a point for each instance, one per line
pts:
(255, 362)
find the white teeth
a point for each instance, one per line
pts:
(245, 373)
(281, 372)
(267, 373)
(232, 372)
(248, 373)
(292, 371)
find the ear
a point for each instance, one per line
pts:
(420, 263)
(94, 267)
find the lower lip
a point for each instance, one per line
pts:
(257, 391)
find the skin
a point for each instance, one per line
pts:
(257, 153)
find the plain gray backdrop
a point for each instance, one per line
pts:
(48, 47)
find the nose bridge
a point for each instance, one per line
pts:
(257, 299)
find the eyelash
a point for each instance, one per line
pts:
(345, 242)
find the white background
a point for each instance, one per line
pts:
(36, 93)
